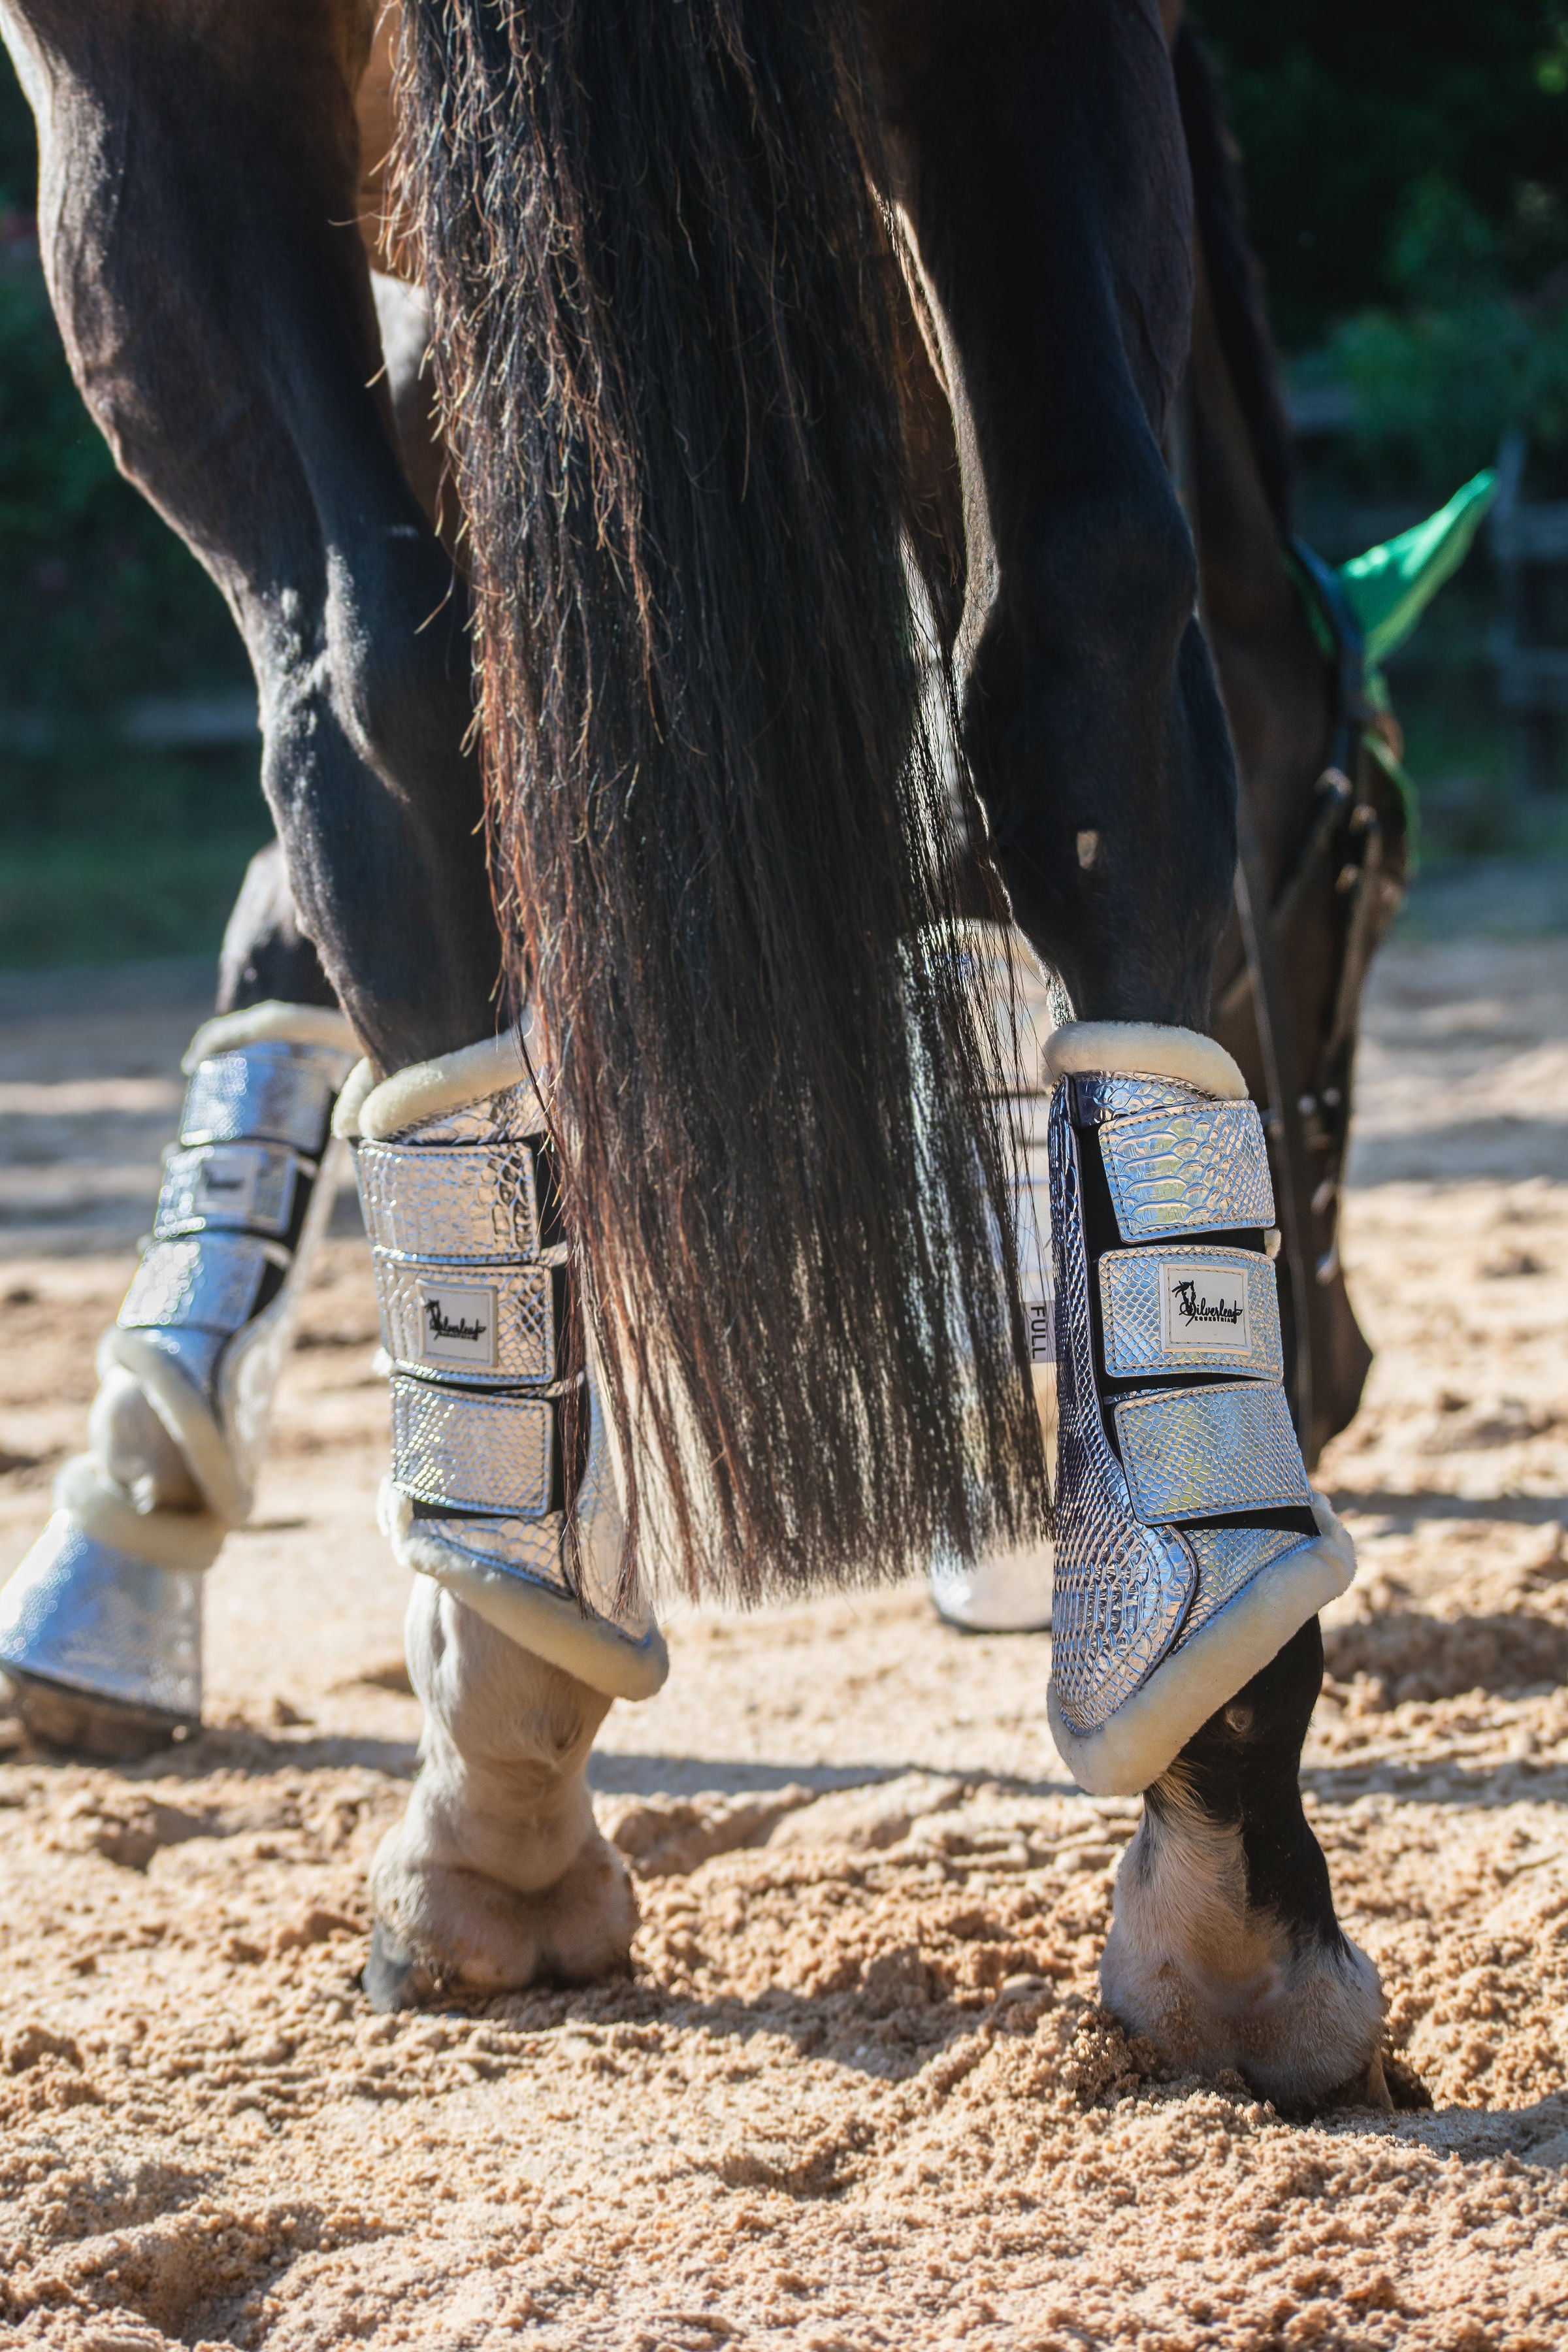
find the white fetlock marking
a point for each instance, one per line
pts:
(496, 1872)
(178, 1540)
(134, 1446)
(1219, 1983)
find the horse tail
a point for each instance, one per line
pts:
(662, 288)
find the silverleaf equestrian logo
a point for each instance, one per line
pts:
(1192, 1308)
(442, 1327)
(1205, 1308)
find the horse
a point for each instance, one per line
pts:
(734, 311)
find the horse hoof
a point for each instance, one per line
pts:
(392, 1978)
(82, 1723)
(1223, 1984)
(449, 1931)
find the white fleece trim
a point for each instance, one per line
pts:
(426, 1089)
(360, 1084)
(550, 1625)
(1143, 1049)
(188, 1540)
(187, 1416)
(1149, 1730)
(269, 1024)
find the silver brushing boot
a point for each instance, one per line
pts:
(1190, 1547)
(1010, 1592)
(493, 1433)
(100, 1623)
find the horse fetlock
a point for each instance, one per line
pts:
(520, 1824)
(1220, 1981)
(497, 1873)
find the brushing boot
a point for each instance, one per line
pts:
(496, 1439)
(1190, 1547)
(100, 1623)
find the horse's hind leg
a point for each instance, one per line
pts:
(496, 1872)
(197, 208)
(134, 1694)
(100, 1627)
(197, 211)
(1040, 159)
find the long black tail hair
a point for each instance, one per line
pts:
(662, 286)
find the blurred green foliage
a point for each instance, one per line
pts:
(1438, 380)
(1358, 125)
(98, 600)
(106, 851)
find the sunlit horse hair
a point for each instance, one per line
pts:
(663, 320)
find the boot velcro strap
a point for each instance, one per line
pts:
(1191, 1167)
(229, 1188)
(476, 1201)
(269, 1093)
(1189, 1309)
(481, 1323)
(210, 1282)
(468, 1452)
(1191, 1454)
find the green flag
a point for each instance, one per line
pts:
(1390, 586)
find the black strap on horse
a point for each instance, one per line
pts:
(1285, 1113)
(1357, 851)
(1284, 1126)
(1346, 830)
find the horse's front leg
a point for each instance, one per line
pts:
(1224, 1945)
(1041, 162)
(197, 204)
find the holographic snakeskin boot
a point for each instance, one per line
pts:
(1189, 1545)
(453, 1162)
(100, 1624)
(1010, 1592)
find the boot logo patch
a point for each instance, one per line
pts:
(459, 1325)
(226, 1182)
(1206, 1304)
